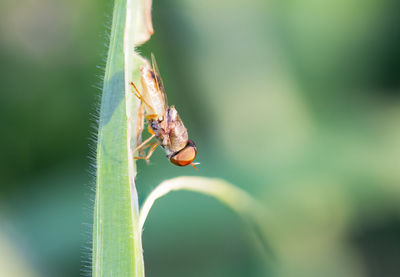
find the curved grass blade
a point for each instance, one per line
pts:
(250, 210)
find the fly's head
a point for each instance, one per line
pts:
(185, 156)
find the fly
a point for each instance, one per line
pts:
(164, 123)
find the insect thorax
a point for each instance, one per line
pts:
(170, 132)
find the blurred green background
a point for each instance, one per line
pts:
(296, 102)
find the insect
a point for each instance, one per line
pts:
(164, 123)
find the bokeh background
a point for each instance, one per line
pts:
(296, 102)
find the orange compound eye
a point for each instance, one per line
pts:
(185, 156)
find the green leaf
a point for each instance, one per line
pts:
(117, 245)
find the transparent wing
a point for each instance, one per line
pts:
(159, 82)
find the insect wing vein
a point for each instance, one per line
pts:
(158, 81)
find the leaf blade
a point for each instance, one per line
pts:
(117, 246)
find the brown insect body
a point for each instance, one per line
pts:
(164, 121)
(170, 132)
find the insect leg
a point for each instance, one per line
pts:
(140, 127)
(151, 116)
(144, 143)
(150, 130)
(140, 96)
(151, 151)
